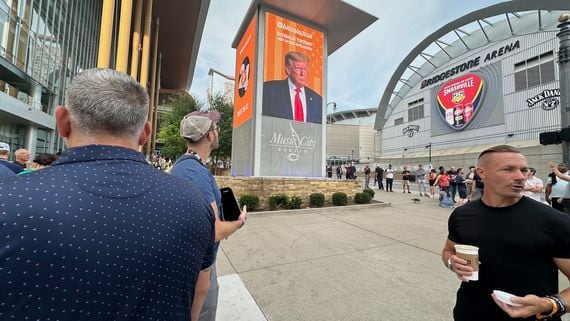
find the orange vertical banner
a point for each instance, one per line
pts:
(245, 76)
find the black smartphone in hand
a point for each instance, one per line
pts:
(230, 206)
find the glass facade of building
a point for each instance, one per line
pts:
(43, 44)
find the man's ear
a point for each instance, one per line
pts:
(145, 133)
(62, 121)
(481, 172)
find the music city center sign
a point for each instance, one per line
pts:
(292, 144)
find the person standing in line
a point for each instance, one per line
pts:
(533, 185)
(522, 246)
(443, 181)
(379, 177)
(452, 184)
(200, 131)
(4, 155)
(421, 179)
(479, 187)
(470, 182)
(406, 180)
(329, 171)
(6, 172)
(389, 172)
(565, 199)
(101, 235)
(22, 157)
(432, 177)
(461, 187)
(366, 176)
(555, 188)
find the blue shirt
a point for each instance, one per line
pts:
(101, 235)
(5, 171)
(13, 167)
(191, 168)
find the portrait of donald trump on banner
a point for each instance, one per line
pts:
(290, 98)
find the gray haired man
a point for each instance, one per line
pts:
(100, 234)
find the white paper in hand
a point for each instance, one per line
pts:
(505, 297)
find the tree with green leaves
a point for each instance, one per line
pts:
(169, 133)
(226, 109)
(180, 106)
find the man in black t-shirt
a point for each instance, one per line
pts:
(379, 177)
(522, 245)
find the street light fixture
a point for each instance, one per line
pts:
(429, 159)
(334, 110)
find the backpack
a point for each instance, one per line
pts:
(444, 180)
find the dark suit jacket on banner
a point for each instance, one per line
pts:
(277, 102)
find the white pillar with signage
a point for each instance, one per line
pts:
(280, 94)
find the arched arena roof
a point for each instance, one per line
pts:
(470, 32)
(350, 114)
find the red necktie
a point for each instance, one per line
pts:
(298, 107)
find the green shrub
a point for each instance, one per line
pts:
(317, 200)
(362, 198)
(370, 192)
(339, 199)
(277, 202)
(295, 203)
(249, 200)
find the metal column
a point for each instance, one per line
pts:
(564, 75)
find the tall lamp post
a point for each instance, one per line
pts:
(327, 132)
(329, 121)
(429, 157)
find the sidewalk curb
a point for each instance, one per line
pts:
(319, 209)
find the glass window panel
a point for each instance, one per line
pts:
(520, 80)
(547, 72)
(533, 76)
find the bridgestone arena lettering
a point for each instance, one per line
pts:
(455, 70)
(471, 63)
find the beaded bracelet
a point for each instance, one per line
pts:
(540, 316)
(559, 303)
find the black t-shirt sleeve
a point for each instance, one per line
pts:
(452, 234)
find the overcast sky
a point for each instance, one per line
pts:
(359, 71)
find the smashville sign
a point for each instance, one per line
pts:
(459, 99)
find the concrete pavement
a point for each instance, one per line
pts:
(343, 263)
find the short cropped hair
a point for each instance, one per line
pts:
(105, 101)
(500, 149)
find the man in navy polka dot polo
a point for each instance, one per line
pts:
(100, 234)
(200, 130)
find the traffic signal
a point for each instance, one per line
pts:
(565, 134)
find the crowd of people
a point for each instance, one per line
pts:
(22, 164)
(99, 234)
(454, 187)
